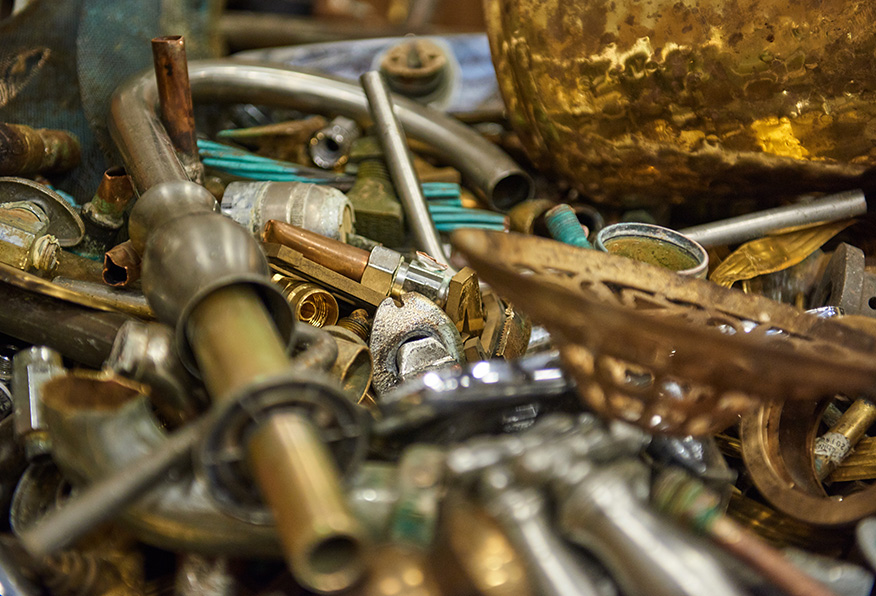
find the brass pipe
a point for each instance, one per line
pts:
(235, 341)
(323, 541)
(175, 94)
(342, 258)
(25, 151)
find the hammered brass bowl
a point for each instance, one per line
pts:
(650, 101)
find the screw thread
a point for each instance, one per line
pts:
(357, 323)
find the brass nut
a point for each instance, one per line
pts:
(380, 272)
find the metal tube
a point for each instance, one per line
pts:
(323, 541)
(401, 166)
(347, 260)
(121, 265)
(81, 334)
(174, 93)
(137, 130)
(760, 223)
(25, 151)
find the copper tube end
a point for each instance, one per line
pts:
(121, 265)
(342, 258)
(115, 192)
(174, 92)
(25, 151)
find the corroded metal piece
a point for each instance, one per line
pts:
(25, 151)
(670, 353)
(667, 100)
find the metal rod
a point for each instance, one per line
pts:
(754, 225)
(174, 93)
(401, 166)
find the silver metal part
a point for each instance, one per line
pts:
(146, 353)
(224, 253)
(760, 223)
(164, 202)
(149, 157)
(383, 264)
(330, 146)
(522, 515)
(431, 282)
(647, 555)
(401, 166)
(315, 207)
(842, 578)
(32, 369)
(417, 318)
(419, 356)
(133, 300)
(65, 224)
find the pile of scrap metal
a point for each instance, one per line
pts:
(318, 335)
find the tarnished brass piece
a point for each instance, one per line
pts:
(358, 323)
(464, 305)
(667, 352)
(287, 262)
(524, 216)
(400, 571)
(25, 151)
(777, 447)
(353, 365)
(379, 215)
(310, 303)
(24, 243)
(859, 465)
(773, 253)
(664, 101)
(506, 330)
(283, 140)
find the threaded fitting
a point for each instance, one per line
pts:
(357, 323)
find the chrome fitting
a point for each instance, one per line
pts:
(163, 203)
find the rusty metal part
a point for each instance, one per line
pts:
(288, 262)
(415, 68)
(346, 260)
(175, 100)
(63, 221)
(669, 353)
(121, 265)
(777, 448)
(834, 446)
(25, 151)
(310, 303)
(687, 102)
(846, 283)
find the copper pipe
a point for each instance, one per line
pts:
(341, 258)
(175, 93)
(25, 151)
(764, 558)
(114, 193)
(121, 265)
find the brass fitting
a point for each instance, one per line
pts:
(24, 243)
(310, 303)
(358, 322)
(25, 151)
(379, 213)
(834, 446)
(353, 365)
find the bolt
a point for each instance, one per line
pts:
(358, 323)
(564, 226)
(44, 253)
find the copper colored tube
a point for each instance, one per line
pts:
(174, 93)
(114, 193)
(341, 258)
(121, 265)
(25, 151)
(765, 559)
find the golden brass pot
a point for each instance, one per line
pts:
(651, 101)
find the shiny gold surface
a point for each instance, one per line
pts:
(310, 303)
(773, 253)
(664, 100)
(400, 571)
